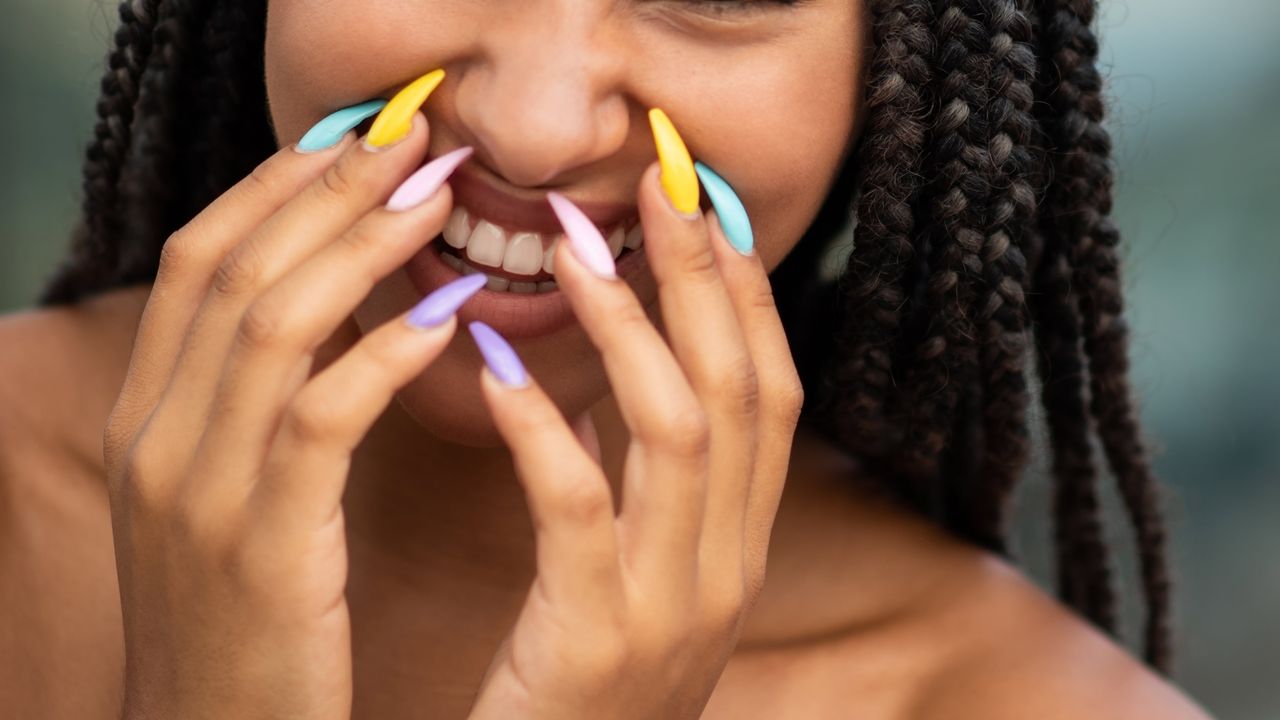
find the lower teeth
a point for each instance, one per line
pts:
(499, 284)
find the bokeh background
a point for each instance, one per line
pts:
(1195, 90)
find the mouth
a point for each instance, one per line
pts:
(512, 240)
(520, 298)
(518, 261)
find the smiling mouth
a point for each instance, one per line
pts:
(519, 261)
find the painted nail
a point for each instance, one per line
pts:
(729, 209)
(437, 307)
(396, 119)
(329, 131)
(427, 180)
(678, 177)
(498, 355)
(585, 240)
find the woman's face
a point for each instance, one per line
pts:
(554, 94)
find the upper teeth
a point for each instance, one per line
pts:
(523, 252)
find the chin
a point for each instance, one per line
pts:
(446, 399)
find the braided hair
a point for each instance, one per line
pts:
(980, 190)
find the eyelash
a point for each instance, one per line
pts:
(729, 7)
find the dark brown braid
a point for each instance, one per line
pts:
(981, 192)
(1002, 311)
(93, 254)
(1079, 209)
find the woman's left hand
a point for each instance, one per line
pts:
(636, 615)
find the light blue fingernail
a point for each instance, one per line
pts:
(733, 216)
(329, 131)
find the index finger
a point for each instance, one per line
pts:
(190, 255)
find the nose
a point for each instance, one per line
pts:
(543, 98)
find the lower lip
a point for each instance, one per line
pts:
(513, 315)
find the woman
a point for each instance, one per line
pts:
(568, 513)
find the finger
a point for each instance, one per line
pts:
(305, 469)
(781, 394)
(569, 497)
(702, 326)
(664, 492)
(360, 180)
(188, 259)
(297, 314)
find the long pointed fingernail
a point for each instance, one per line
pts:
(396, 119)
(678, 177)
(732, 215)
(329, 131)
(585, 240)
(445, 300)
(427, 180)
(499, 355)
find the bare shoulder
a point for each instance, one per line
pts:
(870, 611)
(60, 629)
(1027, 655)
(59, 370)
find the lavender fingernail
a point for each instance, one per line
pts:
(445, 301)
(498, 354)
(427, 180)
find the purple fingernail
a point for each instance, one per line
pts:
(498, 354)
(445, 301)
(585, 240)
(427, 180)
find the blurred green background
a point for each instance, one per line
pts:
(1195, 91)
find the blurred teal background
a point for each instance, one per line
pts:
(1195, 88)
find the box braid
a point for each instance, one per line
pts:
(980, 189)
(999, 103)
(1079, 209)
(182, 115)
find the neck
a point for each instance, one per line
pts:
(446, 529)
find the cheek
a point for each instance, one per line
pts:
(781, 148)
(324, 55)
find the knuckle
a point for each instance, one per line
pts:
(262, 326)
(360, 239)
(583, 502)
(699, 262)
(787, 397)
(138, 482)
(626, 314)
(337, 180)
(384, 354)
(738, 385)
(725, 607)
(176, 255)
(763, 298)
(312, 419)
(240, 272)
(197, 521)
(686, 431)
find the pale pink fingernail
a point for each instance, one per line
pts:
(427, 180)
(585, 240)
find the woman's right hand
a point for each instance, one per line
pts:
(227, 453)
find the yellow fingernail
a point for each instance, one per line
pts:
(678, 176)
(396, 119)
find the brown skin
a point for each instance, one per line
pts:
(858, 594)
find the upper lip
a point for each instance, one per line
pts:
(516, 213)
